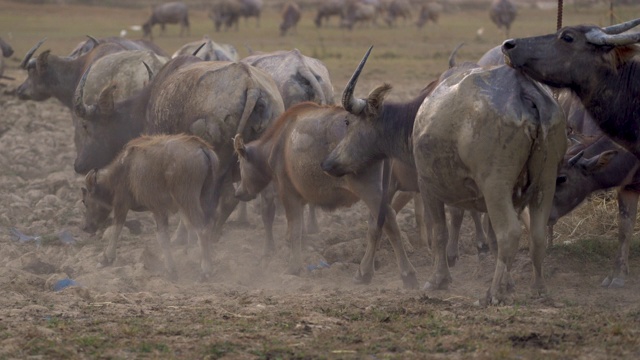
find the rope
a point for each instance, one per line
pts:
(559, 23)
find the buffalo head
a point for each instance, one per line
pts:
(97, 202)
(39, 80)
(560, 59)
(253, 178)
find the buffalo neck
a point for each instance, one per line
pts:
(611, 96)
(618, 169)
(63, 77)
(397, 120)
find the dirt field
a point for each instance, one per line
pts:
(250, 309)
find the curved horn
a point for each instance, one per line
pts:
(94, 40)
(597, 37)
(149, 71)
(352, 105)
(452, 57)
(23, 64)
(79, 107)
(574, 160)
(198, 49)
(620, 28)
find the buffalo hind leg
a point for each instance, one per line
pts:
(162, 235)
(627, 211)
(119, 217)
(293, 208)
(455, 223)
(435, 217)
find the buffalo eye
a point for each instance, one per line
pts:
(566, 37)
(346, 122)
(561, 179)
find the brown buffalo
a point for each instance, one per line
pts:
(461, 160)
(162, 174)
(327, 10)
(290, 17)
(169, 13)
(502, 13)
(226, 13)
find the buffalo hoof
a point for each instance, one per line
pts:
(614, 283)
(451, 260)
(293, 270)
(410, 281)
(134, 226)
(494, 300)
(483, 249)
(105, 261)
(362, 279)
(436, 283)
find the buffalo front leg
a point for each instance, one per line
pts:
(312, 220)
(119, 217)
(226, 205)
(268, 213)
(627, 211)
(371, 194)
(162, 235)
(481, 238)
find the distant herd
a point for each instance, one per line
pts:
(199, 131)
(226, 14)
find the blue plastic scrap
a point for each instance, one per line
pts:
(64, 283)
(322, 265)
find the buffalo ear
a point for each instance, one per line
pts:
(376, 99)
(598, 162)
(239, 147)
(91, 180)
(42, 61)
(106, 99)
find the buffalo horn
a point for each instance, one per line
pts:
(195, 53)
(613, 36)
(94, 40)
(351, 104)
(620, 28)
(452, 57)
(149, 71)
(574, 160)
(30, 53)
(80, 108)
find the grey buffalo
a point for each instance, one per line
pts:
(502, 13)
(328, 9)
(428, 12)
(127, 44)
(211, 99)
(299, 78)
(168, 13)
(462, 160)
(208, 50)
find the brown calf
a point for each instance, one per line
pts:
(162, 174)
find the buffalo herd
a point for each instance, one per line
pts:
(197, 132)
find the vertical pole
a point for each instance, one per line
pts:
(559, 17)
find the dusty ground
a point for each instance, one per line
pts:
(252, 310)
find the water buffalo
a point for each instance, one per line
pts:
(290, 17)
(608, 90)
(398, 9)
(251, 8)
(299, 78)
(162, 174)
(428, 12)
(226, 13)
(5, 51)
(288, 154)
(139, 44)
(327, 10)
(211, 51)
(211, 99)
(462, 160)
(502, 13)
(601, 165)
(358, 12)
(168, 13)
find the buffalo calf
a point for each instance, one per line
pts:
(162, 174)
